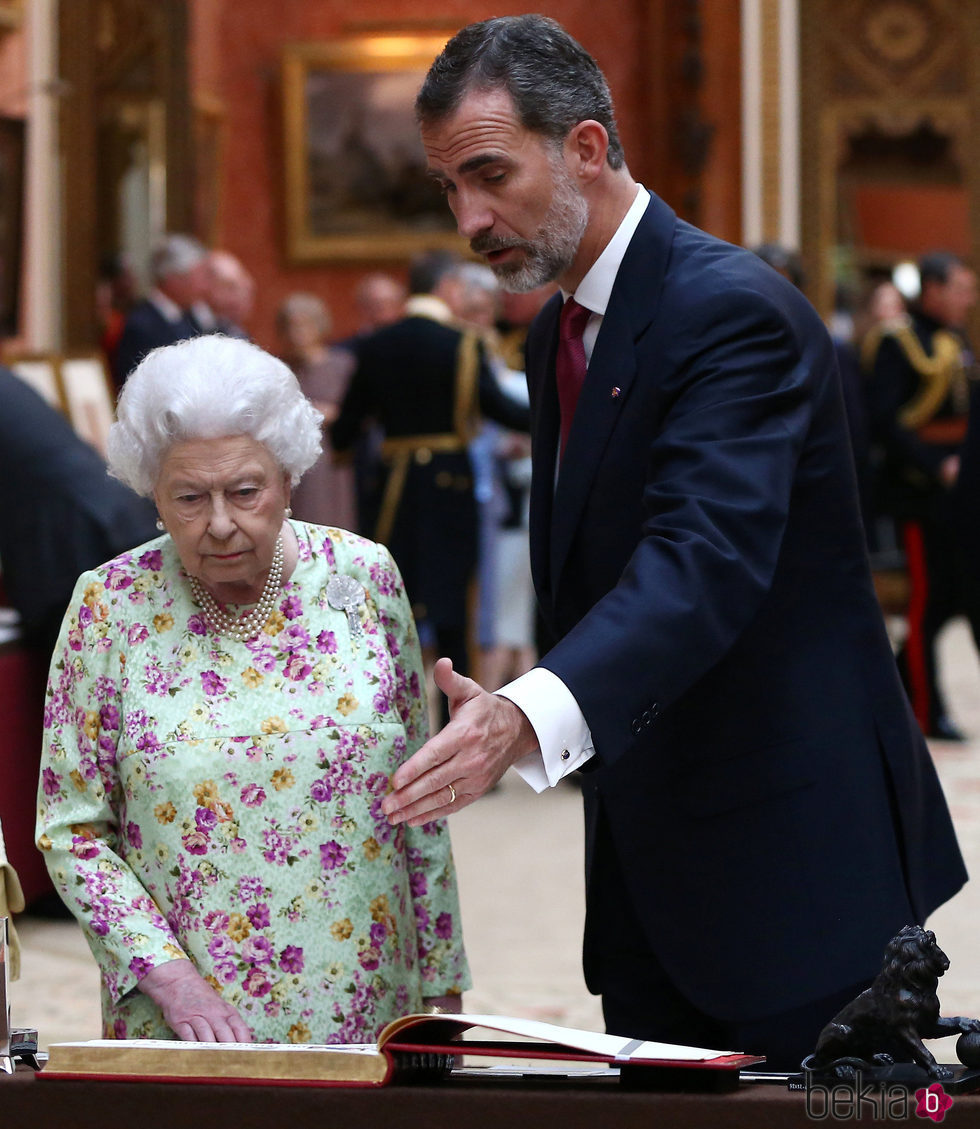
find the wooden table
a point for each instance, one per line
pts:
(27, 1101)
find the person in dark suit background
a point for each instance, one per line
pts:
(60, 512)
(178, 270)
(761, 811)
(426, 381)
(380, 300)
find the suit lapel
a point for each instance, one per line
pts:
(612, 371)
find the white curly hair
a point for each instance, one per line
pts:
(207, 388)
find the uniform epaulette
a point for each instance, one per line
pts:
(938, 373)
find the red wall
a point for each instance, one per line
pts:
(910, 220)
(236, 55)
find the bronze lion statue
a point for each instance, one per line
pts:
(887, 1022)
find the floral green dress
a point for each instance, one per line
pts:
(219, 800)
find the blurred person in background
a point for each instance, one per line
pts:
(178, 270)
(426, 383)
(60, 512)
(230, 294)
(211, 815)
(380, 301)
(326, 494)
(919, 371)
(501, 458)
(883, 305)
(115, 293)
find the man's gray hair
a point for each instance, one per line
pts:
(477, 276)
(553, 81)
(210, 387)
(175, 254)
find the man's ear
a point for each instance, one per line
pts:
(585, 149)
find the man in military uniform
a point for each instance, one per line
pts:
(918, 402)
(426, 382)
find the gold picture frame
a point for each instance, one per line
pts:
(355, 174)
(209, 138)
(77, 384)
(89, 400)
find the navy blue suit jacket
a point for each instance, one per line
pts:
(702, 563)
(60, 512)
(146, 329)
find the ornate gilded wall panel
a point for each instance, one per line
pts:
(889, 97)
(125, 137)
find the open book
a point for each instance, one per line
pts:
(409, 1047)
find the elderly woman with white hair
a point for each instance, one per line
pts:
(226, 704)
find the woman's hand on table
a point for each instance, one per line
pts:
(191, 1007)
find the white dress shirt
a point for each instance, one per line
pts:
(564, 739)
(168, 308)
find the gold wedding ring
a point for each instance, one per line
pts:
(452, 794)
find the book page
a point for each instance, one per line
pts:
(356, 1064)
(422, 1029)
(176, 1045)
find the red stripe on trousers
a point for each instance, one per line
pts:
(915, 644)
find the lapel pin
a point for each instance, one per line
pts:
(615, 393)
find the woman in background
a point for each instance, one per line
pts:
(326, 494)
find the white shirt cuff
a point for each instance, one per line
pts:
(564, 739)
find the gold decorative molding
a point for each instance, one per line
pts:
(771, 112)
(11, 16)
(894, 68)
(904, 46)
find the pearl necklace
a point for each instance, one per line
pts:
(250, 625)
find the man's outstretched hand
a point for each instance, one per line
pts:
(485, 736)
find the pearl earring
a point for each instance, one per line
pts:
(161, 526)
(289, 511)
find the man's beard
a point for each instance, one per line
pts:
(553, 248)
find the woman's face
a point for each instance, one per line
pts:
(223, 502)
(301, 331)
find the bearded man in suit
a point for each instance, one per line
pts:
(761, 812)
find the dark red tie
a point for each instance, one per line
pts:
(570, 363)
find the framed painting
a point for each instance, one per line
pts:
(88, 397)
(355, 175)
